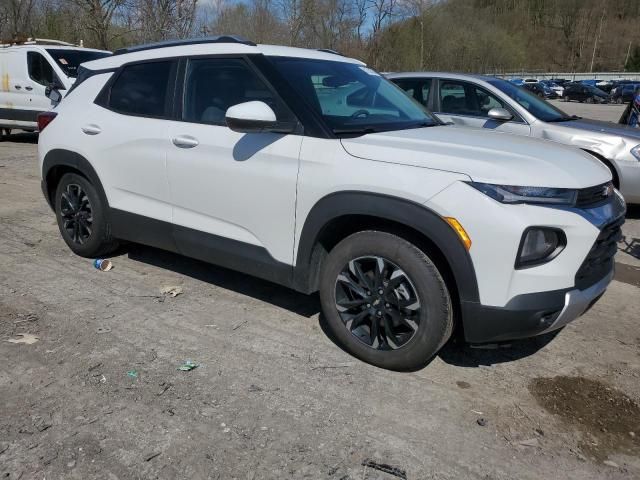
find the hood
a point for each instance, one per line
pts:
(609, 128)
(484, 156)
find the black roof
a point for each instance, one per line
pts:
(185, 41)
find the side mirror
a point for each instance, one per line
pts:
(500, 114)
(255, 117)
(53, 92)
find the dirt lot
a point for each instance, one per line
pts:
(98, 395)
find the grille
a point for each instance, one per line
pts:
(592, 196)
(599, 261)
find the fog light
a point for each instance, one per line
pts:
(540, 245)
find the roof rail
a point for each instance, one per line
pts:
(186, 41)
(11, 42)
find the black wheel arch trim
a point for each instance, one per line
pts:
(66, 158)
(387, 208)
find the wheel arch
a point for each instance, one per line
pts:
(57, 162)
(339, 215)
(614, 170)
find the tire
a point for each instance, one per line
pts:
(77, 202)
(567, 99)
(590, 100)
(619, 100)
(420, 328)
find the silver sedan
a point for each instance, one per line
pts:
(496, 104)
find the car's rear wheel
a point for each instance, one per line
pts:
(385, 301)
(619, 100)
(566, 98)
(590, 100)
(82, 217)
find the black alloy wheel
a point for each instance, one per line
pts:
(83, 216)
(77, 214)
(378, 303)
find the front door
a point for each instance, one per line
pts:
(468, 105)
(233, 194)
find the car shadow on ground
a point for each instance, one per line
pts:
(631, 245)
(24, 137)
(456, 352)
(305, 305)
(461, 354)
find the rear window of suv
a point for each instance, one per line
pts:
(141, 90)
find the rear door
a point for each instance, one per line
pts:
(125, 130)
(467, 104)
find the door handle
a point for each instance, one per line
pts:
(91, 129)
(17, 87)
(185, 141)
(28, 88)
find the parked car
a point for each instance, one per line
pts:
(517, 81)
(559, 91)
(624, 93)
(28, 69)
(584, 93)
(560, 81)
(531, 80)
(540, 90)
(251, 157)
(617, 84)
(508, 108)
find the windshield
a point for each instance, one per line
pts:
(69, 60)
(531, 102)
(352, 99)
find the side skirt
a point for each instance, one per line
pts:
(224, 252)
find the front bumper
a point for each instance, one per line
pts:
(530, 314)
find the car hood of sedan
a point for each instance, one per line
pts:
(602, 127)
(484, 156)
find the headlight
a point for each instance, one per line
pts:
(635, 151)
(540, 245)
(541, 195)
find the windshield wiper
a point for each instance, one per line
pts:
(354, 131)
(564, 119)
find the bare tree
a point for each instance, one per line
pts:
(99, 17)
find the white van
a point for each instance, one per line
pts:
(27, 69)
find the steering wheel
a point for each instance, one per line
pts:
(360, 114)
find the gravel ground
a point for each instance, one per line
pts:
(98, 395)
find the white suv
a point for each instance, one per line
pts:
(311, 170)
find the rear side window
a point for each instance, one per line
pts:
(142, 90)
(40, 70)
(418, 89)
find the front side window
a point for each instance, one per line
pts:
(142, 89)
(40, 70)
(214, 84)
(463, 98)
(351, 98)
(531, 102)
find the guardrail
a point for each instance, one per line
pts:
(571, 75)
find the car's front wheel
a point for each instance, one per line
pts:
(385, 301)
(82, 217)
(590, 100)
